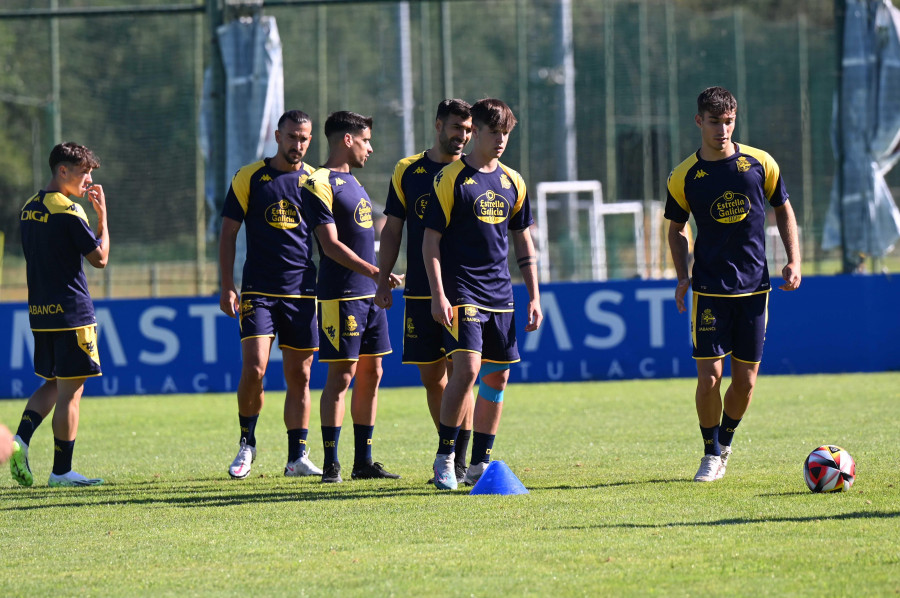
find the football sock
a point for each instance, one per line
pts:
(710, 440)
(248, 428)
(330, 437)
(296, 443)
(29, 423)
(462, 447)
(362, 441)
(482, 445)
(447, 436)
(726, 430)
(62, 455)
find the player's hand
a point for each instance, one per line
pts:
(441, 310)
(535, 316)
(396, 280)
(383, 296)
(95, 195)
(680, 291)
(791, 275)
(228, 302)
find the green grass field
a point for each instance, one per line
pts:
(611, 510)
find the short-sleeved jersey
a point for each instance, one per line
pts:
(408, 194)
(728, 200)
(55, 238)
(279, 249)
(474, 212)
(337, 197)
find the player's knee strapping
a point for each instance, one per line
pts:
(491, 394)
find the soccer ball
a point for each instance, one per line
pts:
(829, 468)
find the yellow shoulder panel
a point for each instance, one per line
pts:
(519, 184)
(399, 171)
(319, 185)
(57, 203)
(240, 184)
(769, 165)
(675, 183)
(443, 186)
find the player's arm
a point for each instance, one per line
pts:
(678, 245)
(388, 251)
(99, 257)
(339, 252)
(787, 228)
(441, 310)
(228, 298)
(526, 257)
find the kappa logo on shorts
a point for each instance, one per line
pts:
(743, 165)
(330, 331)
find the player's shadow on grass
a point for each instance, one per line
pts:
(743, 521)
(600, 485)
(201, 493)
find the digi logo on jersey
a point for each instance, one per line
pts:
(35, 215)
(421, 204)
(283, 214)
(491, 207)
(730, 207)
(363, 213)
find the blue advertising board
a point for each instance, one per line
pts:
(592, 331)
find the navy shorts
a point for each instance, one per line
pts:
(729, 325)
(423, 338)
(293, 319)
(492, 334)
(350, 328)
(66, 353)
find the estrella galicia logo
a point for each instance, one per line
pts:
(363, 213)
(491, 207)
(730, 207)
(283, 214)
(421, 204)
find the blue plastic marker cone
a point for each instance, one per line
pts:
(498, 478)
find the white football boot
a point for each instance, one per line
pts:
(240, 467)
(445, 472)
(710, 469)
(301, 467)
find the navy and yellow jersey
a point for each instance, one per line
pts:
(55, 238)
(728, 200)
(279, 249)
(408, 194)
(338, 198)
(474, 212)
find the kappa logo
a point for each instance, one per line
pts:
(265, 179)
(330, 331)
(469, 181)
(339, 182)
(420, 170)
(700, 174)
(743, 165)
(438, 177)
(505, 182)
(88, 346)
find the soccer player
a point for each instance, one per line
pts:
(56, 237)
(353, 331)
(726, 186)
(408, 194)
(477, 201)
(277, 291)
